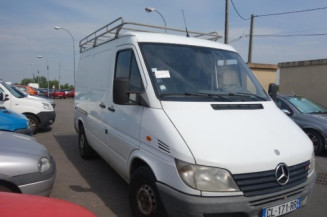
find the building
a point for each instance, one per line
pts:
(305, 78)
(265, 73)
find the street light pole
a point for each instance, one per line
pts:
(38, 73)
(149, 10)
(40, 57)
(71, 35)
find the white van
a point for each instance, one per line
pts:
(185, 122)
(40, 113)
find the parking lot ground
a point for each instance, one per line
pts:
(94, 185)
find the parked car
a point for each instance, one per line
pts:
(71, 93)
(58, 93)
(310, 116)
(23, 205)
(38, 97)
(14, 122)
(185, 122)
(27, 89)
(40, 113)
(25, 165)
(43, 92)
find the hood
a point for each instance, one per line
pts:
(320, 117)
(18, 144)
(11, 121)
(238, 137)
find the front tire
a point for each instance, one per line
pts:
(85, 149)
(318, 144)
(143, 194)
(34, 122)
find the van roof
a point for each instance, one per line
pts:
(149, 33)
(175, 39)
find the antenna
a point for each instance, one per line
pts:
(185, 24)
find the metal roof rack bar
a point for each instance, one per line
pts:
(111, 31)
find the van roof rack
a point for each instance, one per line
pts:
(111, 31)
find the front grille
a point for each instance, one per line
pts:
(253, 184)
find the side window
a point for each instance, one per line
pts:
(126, 67)
(283, 106)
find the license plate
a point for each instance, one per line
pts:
(282, 208)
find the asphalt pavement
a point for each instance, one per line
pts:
(94, 185)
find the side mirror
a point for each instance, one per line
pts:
(121, 91)
(3, 97)
(287, 112)
(272, 91)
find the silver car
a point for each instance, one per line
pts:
(25, 165)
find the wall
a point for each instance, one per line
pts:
(305, 78)
(265, 73)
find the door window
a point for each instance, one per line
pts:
(126, 67)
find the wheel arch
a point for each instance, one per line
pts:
(14, 188)
(317, 131)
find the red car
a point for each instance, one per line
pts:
(57, 93)
(71, 93)
(13, 205)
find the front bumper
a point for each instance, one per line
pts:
(47, 118)
(27, 131)
(183, 205)
(36, 183)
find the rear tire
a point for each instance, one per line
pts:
(85, 149)
(143, 194)
(34, 122)
(317, 141)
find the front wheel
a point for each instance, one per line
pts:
(34, 123)
(143, 194)
(318, 144)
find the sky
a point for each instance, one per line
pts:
(27, 29)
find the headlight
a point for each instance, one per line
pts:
(44, 164)
(312, 165)
(47, 106)
(206, 178)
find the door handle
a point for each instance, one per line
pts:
(111, 108)
(102, 105)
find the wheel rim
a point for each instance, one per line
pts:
(33, 124)
(146, 200)
(315, 140)
(81, 142)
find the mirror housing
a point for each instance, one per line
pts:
(287, 112)
(121, 91)
(3, 97)
(272, 91)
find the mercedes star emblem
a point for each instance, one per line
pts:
(282, 174)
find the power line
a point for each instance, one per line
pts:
(238, 12)
(290, 35)
(279, 13)
(291, 12)
(278, 35)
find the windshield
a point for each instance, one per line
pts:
(13, 91)
(181, 72)
(306, 106)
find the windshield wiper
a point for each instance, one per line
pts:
(251, 95)
(202, 95)
(209, 95)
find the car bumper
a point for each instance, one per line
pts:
(47, 118)
(27, 131)
(37, 183)
(180, 204)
